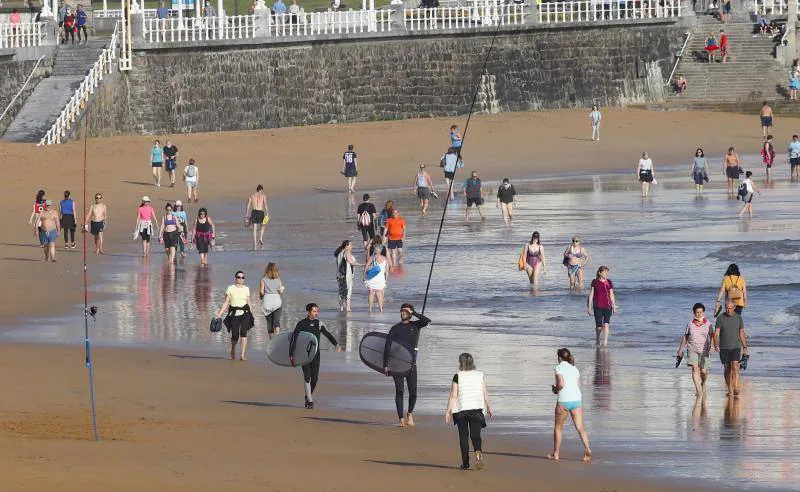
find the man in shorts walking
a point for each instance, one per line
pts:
(451, 162)
(96, 222)
(423, 187)
(257, 215)
(191, 175)
(730, 341)
(48, 230)
(396, 234)
(171, 162)
(766, 118)
(474, 195)
(794, 158)
(365, 217)
(350, 168)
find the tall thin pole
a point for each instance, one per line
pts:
(87, 341)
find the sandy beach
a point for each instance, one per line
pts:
(197, 422)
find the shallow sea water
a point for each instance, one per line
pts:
(665, 253)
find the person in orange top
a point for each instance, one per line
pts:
(396, 233)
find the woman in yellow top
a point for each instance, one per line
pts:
(239, 319)
(734, 288)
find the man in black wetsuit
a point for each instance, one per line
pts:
(312, 325)
(405, 333)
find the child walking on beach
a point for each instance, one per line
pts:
(468, 398)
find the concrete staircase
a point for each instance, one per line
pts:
(751, 73)
(72, 63)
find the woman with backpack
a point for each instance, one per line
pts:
(190, 176)
(734, 288)
(344, 273)
(746, 191)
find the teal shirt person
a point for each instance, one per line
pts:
(157, 154)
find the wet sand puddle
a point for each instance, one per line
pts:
(665, 253)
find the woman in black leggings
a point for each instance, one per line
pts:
(468, 399)
(67, 209)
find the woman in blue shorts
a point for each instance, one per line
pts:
(568, 389)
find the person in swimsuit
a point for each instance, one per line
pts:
(699, 171)
(766, 116)
(532, 260)
(468, 399)
(350, 168)
(157, 161)
(240, 318)
(181, 213)
(313, 325)
(731, 169)
(733, 288)
(405, 333)
(270, 290)
(257, 214)
(506, 200)
(423, 187)
(376, 284)
(170, 232)
(47, 224)
(68, 224)
(96, 218)
(768, 155)
(575, 258)
(455, 139)
(344, 274)
(602, 304)
(568, 389)
(697, 340)
(203, 234)
(646, 173)
(145, 217)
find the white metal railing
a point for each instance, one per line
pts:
(27, 81)
(599, 10)
(117, 13)
(77, 102)
(772, 7)
(176, 29)
(332, 22)
(22, 35)
(679, 57)
(480, 14)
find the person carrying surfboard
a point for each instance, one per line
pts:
(405, 333)
(311, 324)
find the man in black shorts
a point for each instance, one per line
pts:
(171, 157)
(311, 324)
(794, 158)
(365, 218)
(730, 341)
(350, 168)
(474, 195)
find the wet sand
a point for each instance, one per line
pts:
(168, 414)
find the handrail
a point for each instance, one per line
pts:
(783, 41)
(679, 55)
(23, 86)
(77, 102)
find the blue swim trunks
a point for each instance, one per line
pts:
(46, 238)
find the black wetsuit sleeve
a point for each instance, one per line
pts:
(328, 335)
(422, 320)
(388, 347)
(293, 339)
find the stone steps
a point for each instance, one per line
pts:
(48, 99)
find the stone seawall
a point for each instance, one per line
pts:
(13, 75)
(243, 87)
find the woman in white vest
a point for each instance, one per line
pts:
(568, 389)
(468, 398)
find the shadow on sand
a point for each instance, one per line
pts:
(412, 464)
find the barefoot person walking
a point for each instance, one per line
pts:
(313, 325)
(344, 274)
(191, 176)
(602, 304)
(423, 186)
(270, 289)
(646, 173)
(170, 232)
(48, 230)
(506, 201)
(350, 168)
(730, 340)
(406, 333)
(468, 399)
(575, 259)
(532, 260)
(203, 234)
(68, 223)
(257, 215)
(96, 221)
(749, 189)
(766, 116)
(145, 217)
(731, 169)
(157, 161)
(375, 273)
(697, 341)
(568, 389)
(595, 117)
(239, 318)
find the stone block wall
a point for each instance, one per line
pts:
(263, 86)
(13, 75)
